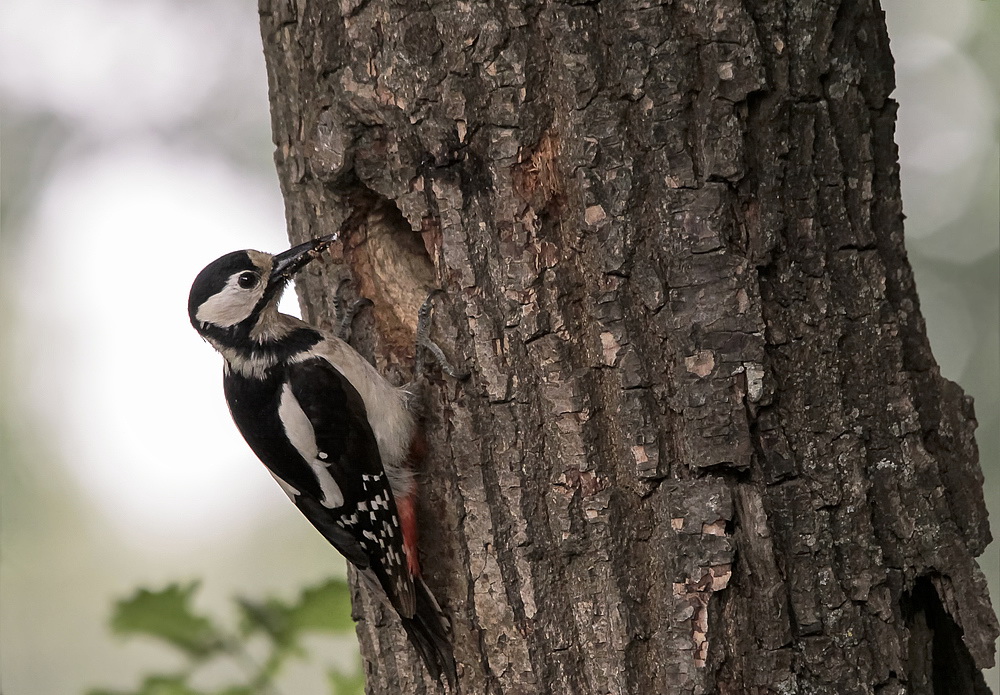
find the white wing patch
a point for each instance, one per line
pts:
(300, 433)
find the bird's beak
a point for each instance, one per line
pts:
(289, 262)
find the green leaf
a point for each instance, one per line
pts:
(239, 690)
(341, 684)
(325, 607)
(271, 617)
(167, 685)
(156, 685)
(167, 615)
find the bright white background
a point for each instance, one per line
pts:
(136, 148)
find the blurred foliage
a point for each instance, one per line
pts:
(167, 615)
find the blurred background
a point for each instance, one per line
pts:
(136, 132)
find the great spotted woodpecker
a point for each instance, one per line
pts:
(335, 434)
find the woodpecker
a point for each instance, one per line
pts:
(336, 436)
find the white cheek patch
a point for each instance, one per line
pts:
(231, 304)
(300, 433)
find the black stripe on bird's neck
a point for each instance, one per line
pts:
(257, 355)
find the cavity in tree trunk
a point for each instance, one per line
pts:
(705, 447)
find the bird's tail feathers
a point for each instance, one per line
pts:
(430, 633)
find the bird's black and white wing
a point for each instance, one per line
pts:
(355, 495)
(327, 460)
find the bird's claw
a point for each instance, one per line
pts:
(425, 345)
(345, 311)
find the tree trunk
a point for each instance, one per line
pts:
(705, 447)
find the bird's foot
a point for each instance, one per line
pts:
(427, 346)
(345, 311)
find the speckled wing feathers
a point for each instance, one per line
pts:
(347, 446)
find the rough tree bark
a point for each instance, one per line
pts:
(705, 447)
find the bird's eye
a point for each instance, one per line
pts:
(247, 280)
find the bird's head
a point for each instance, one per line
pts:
(237, 289)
